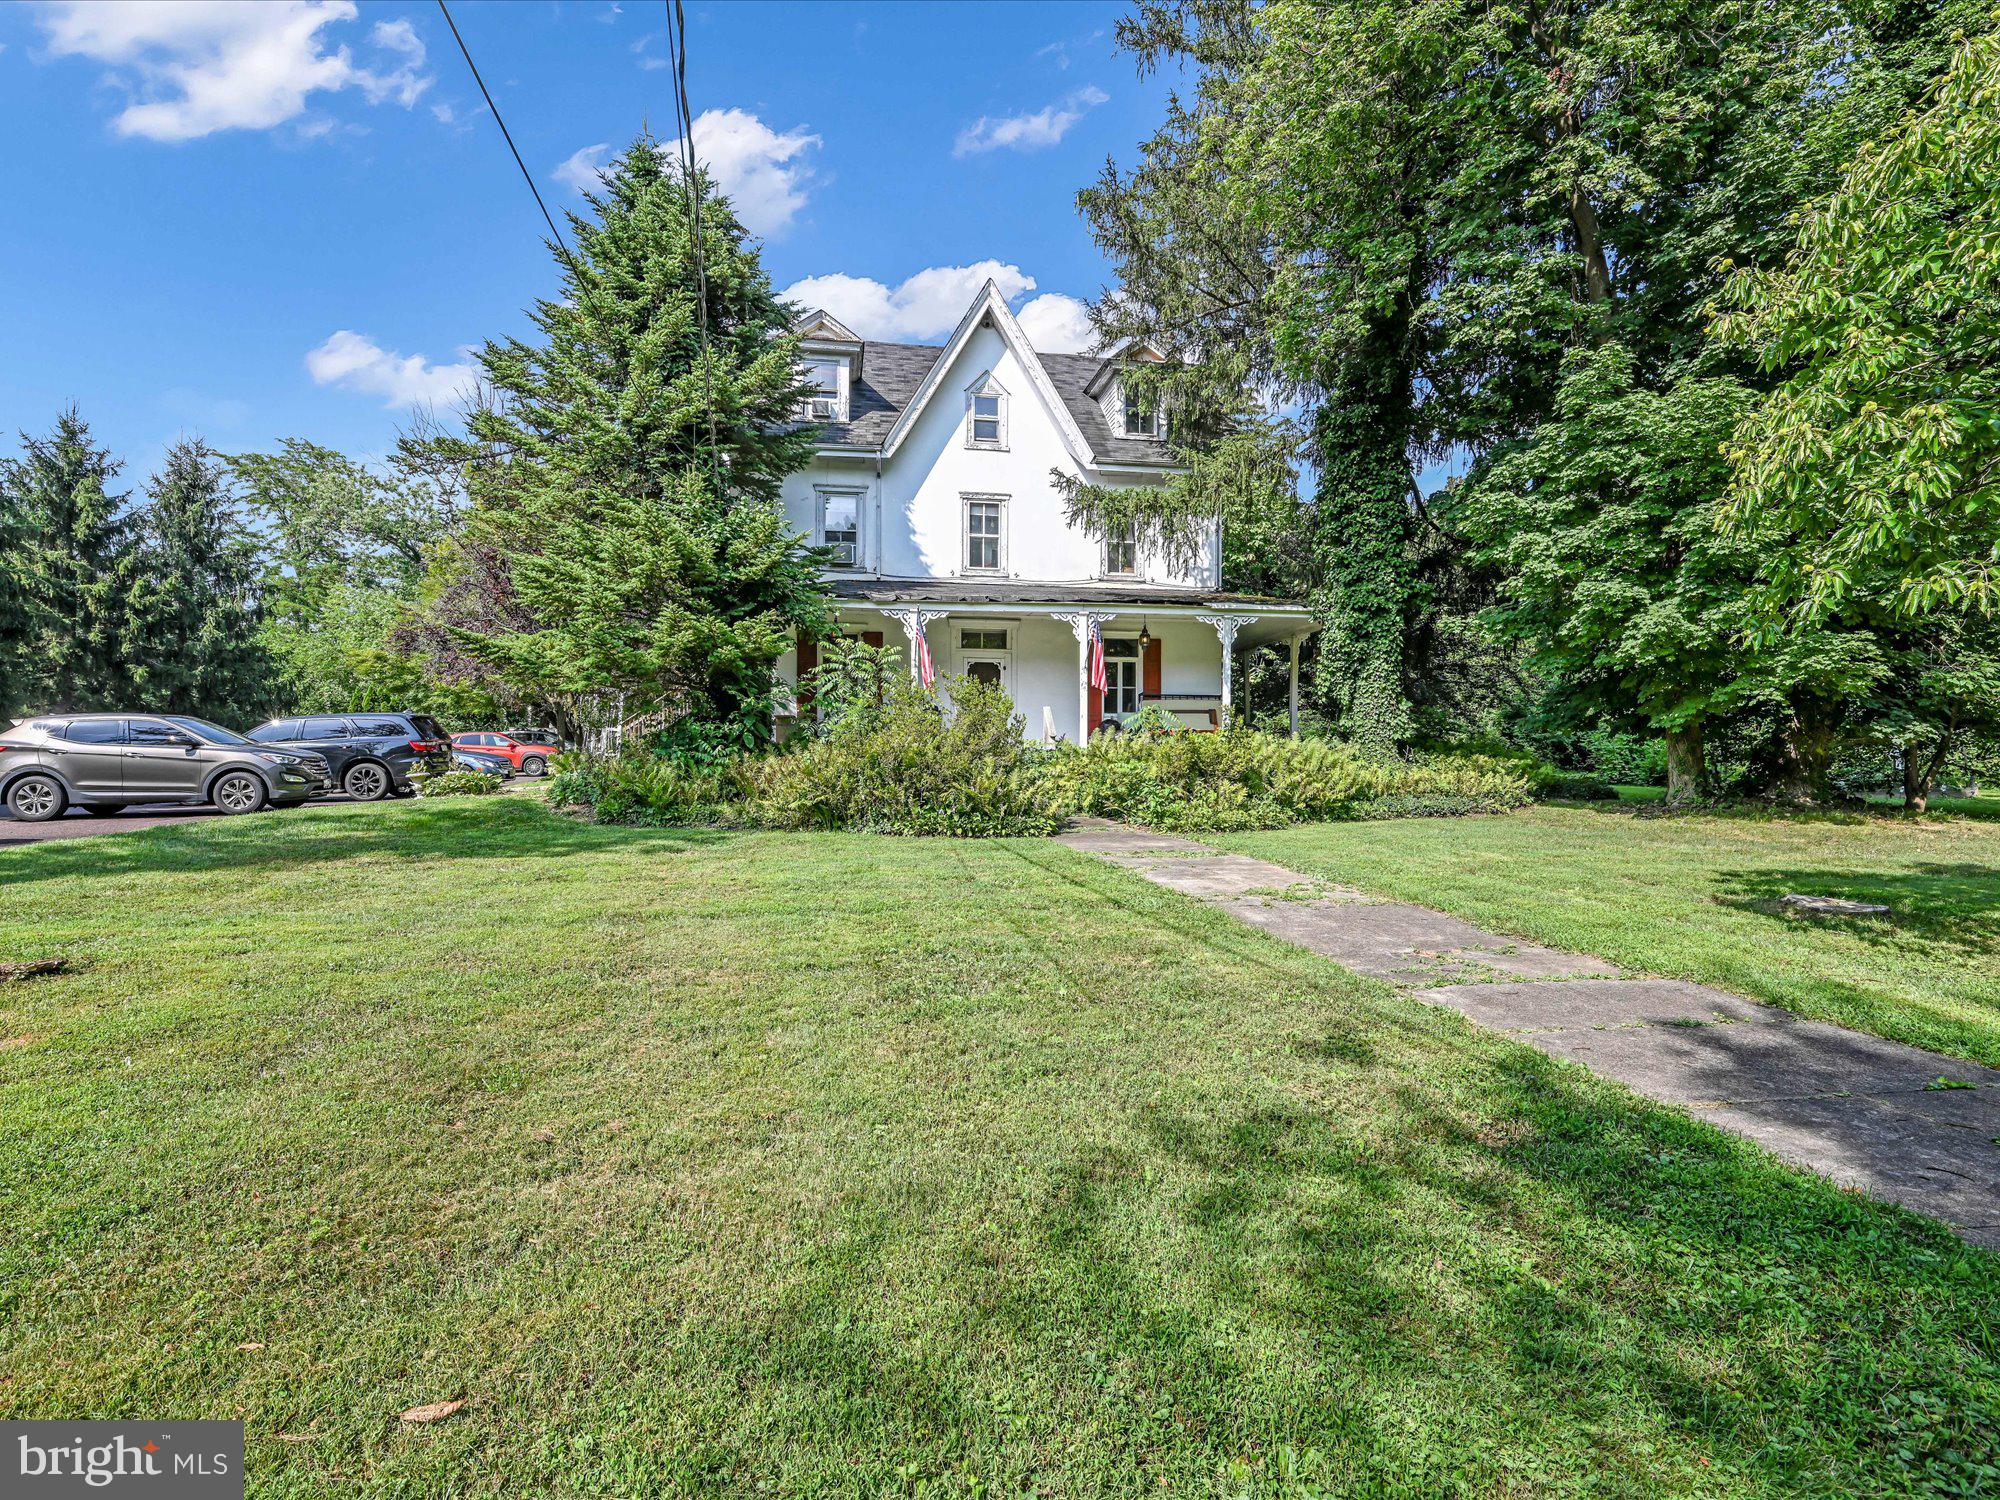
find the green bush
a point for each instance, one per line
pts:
(641, 787)
(1549, 784)
(1246, 779)
(461, 784)
(902, 765)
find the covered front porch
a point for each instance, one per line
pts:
(1172, 649)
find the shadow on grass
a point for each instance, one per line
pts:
(1956, 906)
(510, 828)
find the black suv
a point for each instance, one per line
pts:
(368, 755)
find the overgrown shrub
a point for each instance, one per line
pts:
(642, 787)
(1550, 785)
(461, 784)
(1246, 779)
(901, 764)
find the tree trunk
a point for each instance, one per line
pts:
(1687, 766)
(1916, 781)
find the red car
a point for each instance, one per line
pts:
(529, 757)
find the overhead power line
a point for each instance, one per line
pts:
(677, 56)
(526, 176)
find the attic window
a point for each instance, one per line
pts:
(1142, 421)
(828, 399)
(986, 414)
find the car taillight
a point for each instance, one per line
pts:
(423, 747)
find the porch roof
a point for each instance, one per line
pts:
(1091, 593)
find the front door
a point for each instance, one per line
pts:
(984, 655)
(158, 762)
(1121, 676)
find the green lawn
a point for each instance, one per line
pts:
(734, 1164)
(1694, 896)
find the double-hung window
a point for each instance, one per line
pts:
(1121, 676)
(1142, 418)
(986, 414)
(823, 403)
(1121, 552)
(840, 526)
(985, 534)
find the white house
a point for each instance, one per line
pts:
(932, 486)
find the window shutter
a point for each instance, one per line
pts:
(808, 659)
(1096, 710)
(872, 637)
(1150, 683)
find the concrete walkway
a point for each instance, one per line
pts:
(1863, 1112)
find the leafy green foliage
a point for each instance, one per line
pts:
(194, 646)
(906, 766)
(626, 477)
(1247, 779)
(640, 787)
(850, 687)
(1873, 470)
(461, 784)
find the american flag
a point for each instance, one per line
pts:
(1098, 680)
(925, 674)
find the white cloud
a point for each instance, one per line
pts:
(1034, 132)
(581, 171)
(356, 362)
(929, 304)
(1056, 324)
(201, 66)
(763, 172)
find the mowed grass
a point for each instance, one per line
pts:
(734, 1164)
(1695, 896)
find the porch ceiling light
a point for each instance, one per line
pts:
(1145, 637)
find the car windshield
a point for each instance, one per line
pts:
(201, 729)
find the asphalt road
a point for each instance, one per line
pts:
(75, 824)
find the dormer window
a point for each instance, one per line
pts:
(986, 414)
(827, 401)
(1141, 420)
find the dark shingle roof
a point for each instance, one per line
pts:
(891, 373)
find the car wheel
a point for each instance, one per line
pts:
(366, 782)
(533, 765)
(37, 799)
(239, 792)
(104, 809)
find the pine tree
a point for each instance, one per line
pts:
(75, 569)
(195, 622)
(13, 603)
(629, 483)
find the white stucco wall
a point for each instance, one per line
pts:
(913, 512)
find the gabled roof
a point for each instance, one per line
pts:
(990, 306)
(820, 325)
(894, 382)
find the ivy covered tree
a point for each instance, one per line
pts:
(74, 569)
(194, 642)
(626, 474)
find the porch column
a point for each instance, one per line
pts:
(1292, 687)
(1225, 627)
(913, 622)
(1082, 622)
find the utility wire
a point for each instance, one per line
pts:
(526, 175)
(677, 56)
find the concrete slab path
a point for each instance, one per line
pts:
(1902, 1124)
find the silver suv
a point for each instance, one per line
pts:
(102, 762)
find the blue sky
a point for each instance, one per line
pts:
(256, 221)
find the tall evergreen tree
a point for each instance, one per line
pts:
(195, 646)
(75, 568)
(626, 477)
(13, 602)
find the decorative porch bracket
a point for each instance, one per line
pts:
(914, 622)
(1081, 621)
(1225, 627)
